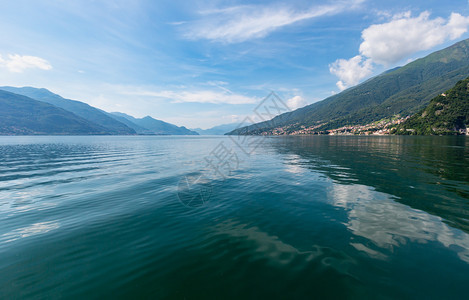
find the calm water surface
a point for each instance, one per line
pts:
(299, 218)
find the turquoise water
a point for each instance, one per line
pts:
(287, 217)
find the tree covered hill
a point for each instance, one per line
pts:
(447, 113)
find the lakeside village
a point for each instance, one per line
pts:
(382, 127)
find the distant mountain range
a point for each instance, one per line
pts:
(400, 91)
(148, 125)
(447, 113)
(21, 115)
(217, 130)
(80, 109)
(29, 110)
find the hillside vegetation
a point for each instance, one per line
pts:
(447, 113)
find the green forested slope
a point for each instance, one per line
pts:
(446, 114)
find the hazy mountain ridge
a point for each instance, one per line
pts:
(80, 109)
(138, 129)
(21, 115)
(217, 130)
(94, 120)
(400, 91)
(149, 125)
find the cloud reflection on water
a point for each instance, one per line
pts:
(388, 224)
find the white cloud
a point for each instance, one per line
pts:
(404, 35)
(351, 71)
(393, 41)
(200, 96)
(242, 23)
(296, 102)
(18, 63)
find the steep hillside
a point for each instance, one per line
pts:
(81, 109)
(447, 113)
(20, 115)
(402, 91)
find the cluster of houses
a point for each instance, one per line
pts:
(382, 127)
(377, 128)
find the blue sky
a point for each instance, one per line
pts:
(205, 63)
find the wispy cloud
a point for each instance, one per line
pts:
(242, 23)
(18, 63)
(195, 96)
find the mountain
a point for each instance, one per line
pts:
(217, 130)
(138, 129)
(108, 123)
(400, 91)
(153, 126)
(80, 109)
(447, 113)
(21, 115)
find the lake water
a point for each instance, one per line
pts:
(214, 217)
